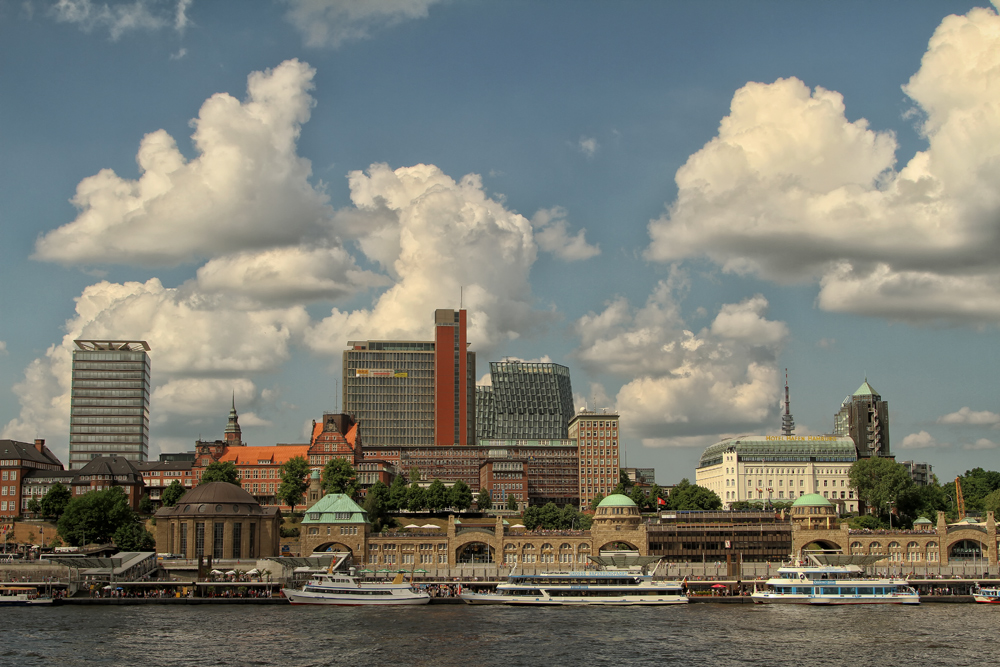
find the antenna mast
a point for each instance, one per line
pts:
(787, 422)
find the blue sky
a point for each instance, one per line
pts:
(677, 200)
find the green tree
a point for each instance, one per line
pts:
(414, 474)
(484, 501)
(532, 517)
(34, 506)
(340, 477)
(134, 537)
(991, 503)
(879, 481)
(596, 501)
(460, 496)
(397, 494)
(170, 495)
(416, 498)
(921, 501)
(221, 471)
(639, 497)
(437, 496)
(294, 473)
(376, 504)
(512, 502)
(95, 516)
(688, 496)
(145, 505)
(624, 480)
(621, 489)
(55, 500)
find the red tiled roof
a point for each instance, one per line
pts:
(276, 454)
(352, 435)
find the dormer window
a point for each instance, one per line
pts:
(314, 516)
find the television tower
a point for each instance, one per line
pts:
(787, 422)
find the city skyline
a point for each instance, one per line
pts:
(677, 201)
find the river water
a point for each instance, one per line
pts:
(696, 634)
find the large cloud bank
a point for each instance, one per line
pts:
(791, 189)
(267, 243)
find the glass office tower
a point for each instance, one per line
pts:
(109, 410)
(532, 400)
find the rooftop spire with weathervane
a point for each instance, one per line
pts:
(234, 435)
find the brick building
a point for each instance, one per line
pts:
(18, 460)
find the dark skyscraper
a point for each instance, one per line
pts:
(864, 416)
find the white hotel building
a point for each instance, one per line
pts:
(759, 468)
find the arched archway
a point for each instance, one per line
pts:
(474, 553)
(826, 546)
(332, 547)
(618, 545)
(963, 550)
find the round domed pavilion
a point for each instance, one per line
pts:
(616, 512)
(814, 511)
(221, 520)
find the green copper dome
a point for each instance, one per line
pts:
(617, 500)
(812, 500)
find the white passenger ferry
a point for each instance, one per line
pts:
(22, 596)
(343, 588)
(610, 586)
(838, 582)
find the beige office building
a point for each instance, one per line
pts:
(762, 468)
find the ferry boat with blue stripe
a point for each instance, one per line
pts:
(833, 580)
(986, 595)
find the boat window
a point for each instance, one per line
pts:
(866, 590)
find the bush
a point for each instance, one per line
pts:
(290, 532)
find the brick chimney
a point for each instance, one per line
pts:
(40, 445)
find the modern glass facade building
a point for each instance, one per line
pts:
(109, 407)
(530, 400)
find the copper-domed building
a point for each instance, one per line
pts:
(221, 520)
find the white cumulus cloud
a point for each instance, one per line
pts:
(552, 235)
(967, 416)
(684, 384)
(439, 239)
(921, 440)
(588, 146)
(791, 189)
(331, 23)
(981, 444)
(246, 189)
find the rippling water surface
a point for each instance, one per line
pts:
(697, 634)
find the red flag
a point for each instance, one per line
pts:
(661, 501)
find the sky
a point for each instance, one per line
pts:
(676, 200)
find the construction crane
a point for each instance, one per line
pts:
(959, 500)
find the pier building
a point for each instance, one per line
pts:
(925, 548)
(221, 520)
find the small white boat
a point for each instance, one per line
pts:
(826, 584)
(340, 588)
(986, 595)
(21, 596)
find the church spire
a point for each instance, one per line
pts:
(234, 435)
